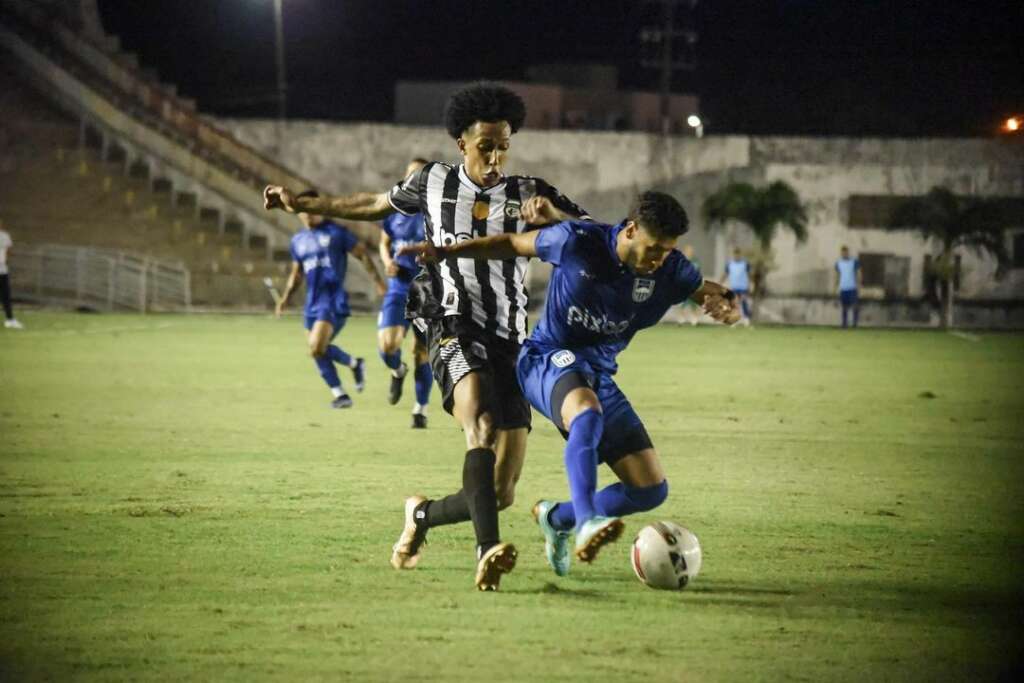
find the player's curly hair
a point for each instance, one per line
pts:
(660, 213)
(483, 101)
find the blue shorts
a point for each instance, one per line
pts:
(848, 297)
(739, 292)
(336, 318)
(539, 371)
(392, 309)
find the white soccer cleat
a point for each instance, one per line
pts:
(406, 552)
(500, 559)
(13, 324)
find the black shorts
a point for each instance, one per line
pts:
(458, 348)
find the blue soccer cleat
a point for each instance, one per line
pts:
(596, 533)
(359, 374)
(556, 543)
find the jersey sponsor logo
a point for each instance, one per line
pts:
(563, 358)
(601, 325)
(643, 288)
(315, 262)
(512, 208)
(450, 238)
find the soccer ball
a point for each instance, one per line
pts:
(665, 555)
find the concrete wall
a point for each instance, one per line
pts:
(603, 170)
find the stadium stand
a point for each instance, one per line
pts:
(96, 152)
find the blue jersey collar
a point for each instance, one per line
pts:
(612, 239)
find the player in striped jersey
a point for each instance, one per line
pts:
(475, 311)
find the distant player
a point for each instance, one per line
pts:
(848, 280)
(398, 231)
(737, 275)
(476, 311)
(320, 255)
(10, 322)
(607, 284)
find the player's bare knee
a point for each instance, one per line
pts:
(480, 432)
(506, 495)
(317, 350)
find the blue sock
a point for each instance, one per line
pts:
(616, 500)
(392, 360)
(339, 356)
(424, 377)
(581, 462)
(746, 307)
(327, 370)
(856, 315)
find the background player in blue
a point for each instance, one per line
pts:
(398, 231)
(607, 284)
(320, 255)
(737, 274)
(848, 278)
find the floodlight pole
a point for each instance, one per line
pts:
(282, 86)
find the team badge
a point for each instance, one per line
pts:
(643, 288)
(563, 358)
(324, 240)
(512, 207)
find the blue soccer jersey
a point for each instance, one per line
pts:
(404, 231)
(595, 304)
(847, 269)
(323, 253)
(738, 274)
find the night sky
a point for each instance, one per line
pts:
(815, 67)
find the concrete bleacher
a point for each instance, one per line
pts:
(59, 187)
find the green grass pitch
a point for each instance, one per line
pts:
(177, 501)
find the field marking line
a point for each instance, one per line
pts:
(965, 335)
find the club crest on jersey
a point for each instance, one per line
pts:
(643, 288)
(324, 240)
(512, 207)
(563, 358)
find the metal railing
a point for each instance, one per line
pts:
(99, 278)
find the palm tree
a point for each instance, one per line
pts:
(764, 211)
(975, 223)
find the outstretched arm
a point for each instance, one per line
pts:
(363, 254)
(384, 249)
(499, 247)
(721, 303)
(361, 206)
(293, 281)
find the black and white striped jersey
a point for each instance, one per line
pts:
(490, 293)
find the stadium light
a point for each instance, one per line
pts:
(693, 121)
(1013, 124)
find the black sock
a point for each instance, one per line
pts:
(448, 510)
(478, 486)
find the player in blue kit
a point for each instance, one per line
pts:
(320, 256)
(392, 325)
(737, 274)
(848, 279)
(608, 283)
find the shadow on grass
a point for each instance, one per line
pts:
(564, 592)
(886, 598)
